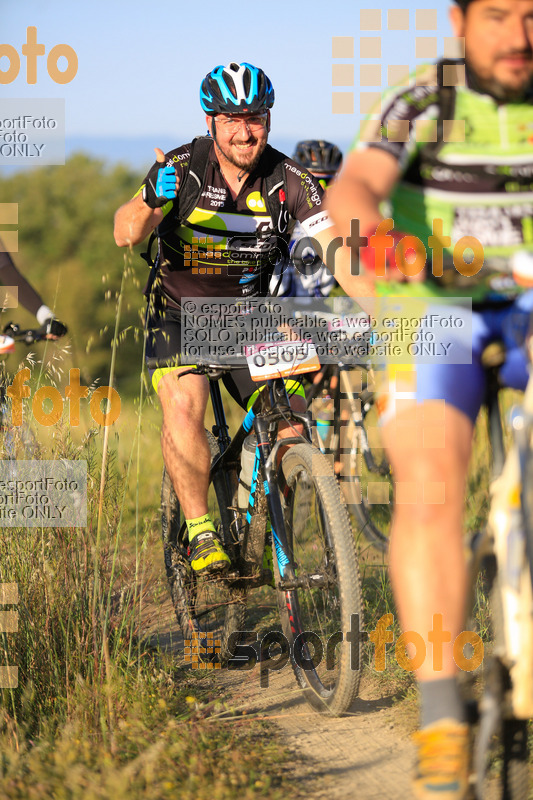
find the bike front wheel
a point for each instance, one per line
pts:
(325, 605)
(209, 609)
(501, 753)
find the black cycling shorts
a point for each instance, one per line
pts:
(164, 341)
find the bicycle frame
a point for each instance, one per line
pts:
(262, 417)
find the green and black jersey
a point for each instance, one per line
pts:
(227, 247)
(473, 170)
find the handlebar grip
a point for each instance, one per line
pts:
(161, 363)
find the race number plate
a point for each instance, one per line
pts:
(281, 360)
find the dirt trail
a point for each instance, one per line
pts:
(365, 755)
(360, 755)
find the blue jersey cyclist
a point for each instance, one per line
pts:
(232, 210)
(305, 275)
(455, 148)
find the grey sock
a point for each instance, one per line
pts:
(439, 699)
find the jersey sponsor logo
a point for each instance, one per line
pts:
(447, 175)
(255, 202)
(521, 171)
(318, 219)
(249, 275)
(254, 245)
(308, 181)
(495, 226)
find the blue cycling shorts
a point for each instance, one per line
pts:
(462, 385)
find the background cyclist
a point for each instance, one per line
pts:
(236, 100)
(479, 185)
(305, 274)
(51, 327)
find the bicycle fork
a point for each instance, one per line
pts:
(267, 463)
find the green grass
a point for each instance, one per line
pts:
(97, 713)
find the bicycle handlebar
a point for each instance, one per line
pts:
(28, 335)
(201, 364)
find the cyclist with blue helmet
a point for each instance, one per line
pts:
(234, 208)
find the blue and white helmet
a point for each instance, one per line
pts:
(236, 89)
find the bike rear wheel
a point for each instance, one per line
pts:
(318, 614)
(369, 490)
(209, 609)
(353, 437)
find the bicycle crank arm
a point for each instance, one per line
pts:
(305, 582)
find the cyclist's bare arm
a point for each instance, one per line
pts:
(134, 221)
(336, 257)
(366, 179)
(28, 297)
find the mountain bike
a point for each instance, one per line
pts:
(296, 514)
(502, 558)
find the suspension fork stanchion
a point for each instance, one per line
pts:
(275, 510)
(222, 429)
(337, 422)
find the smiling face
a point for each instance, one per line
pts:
(240, 138)
(498, 38)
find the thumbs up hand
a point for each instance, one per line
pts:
(161, 184)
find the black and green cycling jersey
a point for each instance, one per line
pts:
(467, 160)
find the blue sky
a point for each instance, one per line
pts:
(140, 64)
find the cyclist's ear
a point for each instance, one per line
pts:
(268, 121)
(457, 20)
(210, 121)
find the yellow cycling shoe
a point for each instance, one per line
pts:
(443, 760)
(206, 554)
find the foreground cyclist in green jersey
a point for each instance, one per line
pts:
(479, 184)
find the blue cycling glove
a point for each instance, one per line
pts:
(160, 186)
